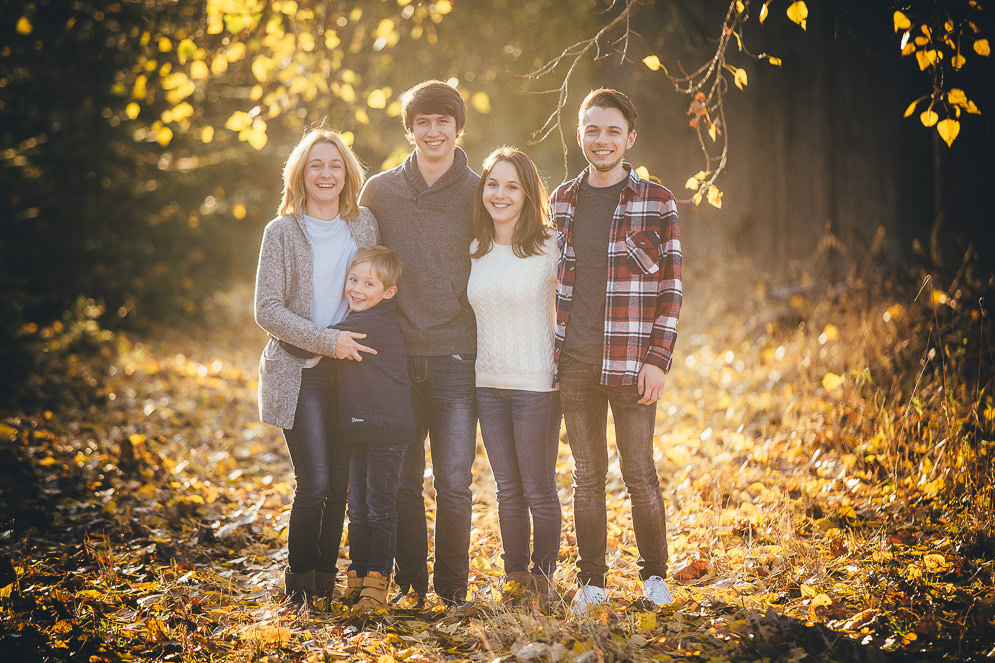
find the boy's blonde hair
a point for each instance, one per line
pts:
(384, 262)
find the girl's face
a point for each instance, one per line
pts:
(503, 195)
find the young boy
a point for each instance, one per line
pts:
(376, 419)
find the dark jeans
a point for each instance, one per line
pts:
(445, 409)
(321, 465)
(585, 412)
(521, 434)
(374, 471)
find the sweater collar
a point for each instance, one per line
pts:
(450, 177)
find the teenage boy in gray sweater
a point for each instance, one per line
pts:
(424, 209)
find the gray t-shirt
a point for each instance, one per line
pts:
(585, 333)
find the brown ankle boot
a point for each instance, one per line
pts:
(300, 586)
(514, 586)
(324, 584)
(353, 586)
(374, 594)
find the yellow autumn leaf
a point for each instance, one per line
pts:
(712, 132)
(798, 12)
(132, 110)
(821, 599)
(948, 130)
(207, 134)
(199, 70)
(981, 47)
(935, 562)
(691, 184)
(647, 621)
(24, 26)
(653, 63)
(928, 117)
(908, 49)
(740, 78)
(239, 121)
(165, 45)
(911, 109)
(926, 58)
(481, 102)
(808, 591)
(957, 97)
(376, 99)
(832, 381)
(774, 61)
(957, 61)
(164, 136)
(138, 90)
(971, 108)
(238, 211)
(902, 22)
(696, 198)
(830, 332)
(714, 197)
(763, 12)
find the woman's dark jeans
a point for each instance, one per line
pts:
(321, 467)
(374, 471)
(585, 412)
(521, 434)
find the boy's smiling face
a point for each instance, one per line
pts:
(364, 289)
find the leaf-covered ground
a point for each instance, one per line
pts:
(826, 457)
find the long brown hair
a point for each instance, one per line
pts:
(294, 190)
(534, 226)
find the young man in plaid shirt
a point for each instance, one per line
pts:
(617, 303)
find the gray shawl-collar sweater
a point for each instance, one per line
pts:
(283, 310)
(430, 229)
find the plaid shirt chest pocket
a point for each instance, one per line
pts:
(642, 252)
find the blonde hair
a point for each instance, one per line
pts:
(383, 261)
(534, 225)
(294, 190)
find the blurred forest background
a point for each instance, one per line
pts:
(143, 140)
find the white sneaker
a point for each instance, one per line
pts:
(656, 591)
(587, 595)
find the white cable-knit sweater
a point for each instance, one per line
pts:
(512, 299)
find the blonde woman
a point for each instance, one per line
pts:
(303, 263)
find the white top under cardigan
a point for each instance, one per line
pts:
(512, 299)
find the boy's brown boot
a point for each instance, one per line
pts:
(374, 593)
(514, 586)
(353, 586)
(544, 589)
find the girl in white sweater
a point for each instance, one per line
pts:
(511, 285)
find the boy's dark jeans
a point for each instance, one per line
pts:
(374, 471)
(585, 412)
(321, 461)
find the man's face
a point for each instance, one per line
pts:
(604, 135)
(434, 135)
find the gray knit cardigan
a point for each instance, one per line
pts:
(283, 310)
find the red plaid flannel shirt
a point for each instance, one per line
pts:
(644, 277)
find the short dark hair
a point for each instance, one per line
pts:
(383, 261)
(606, 97)
(432, 98)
